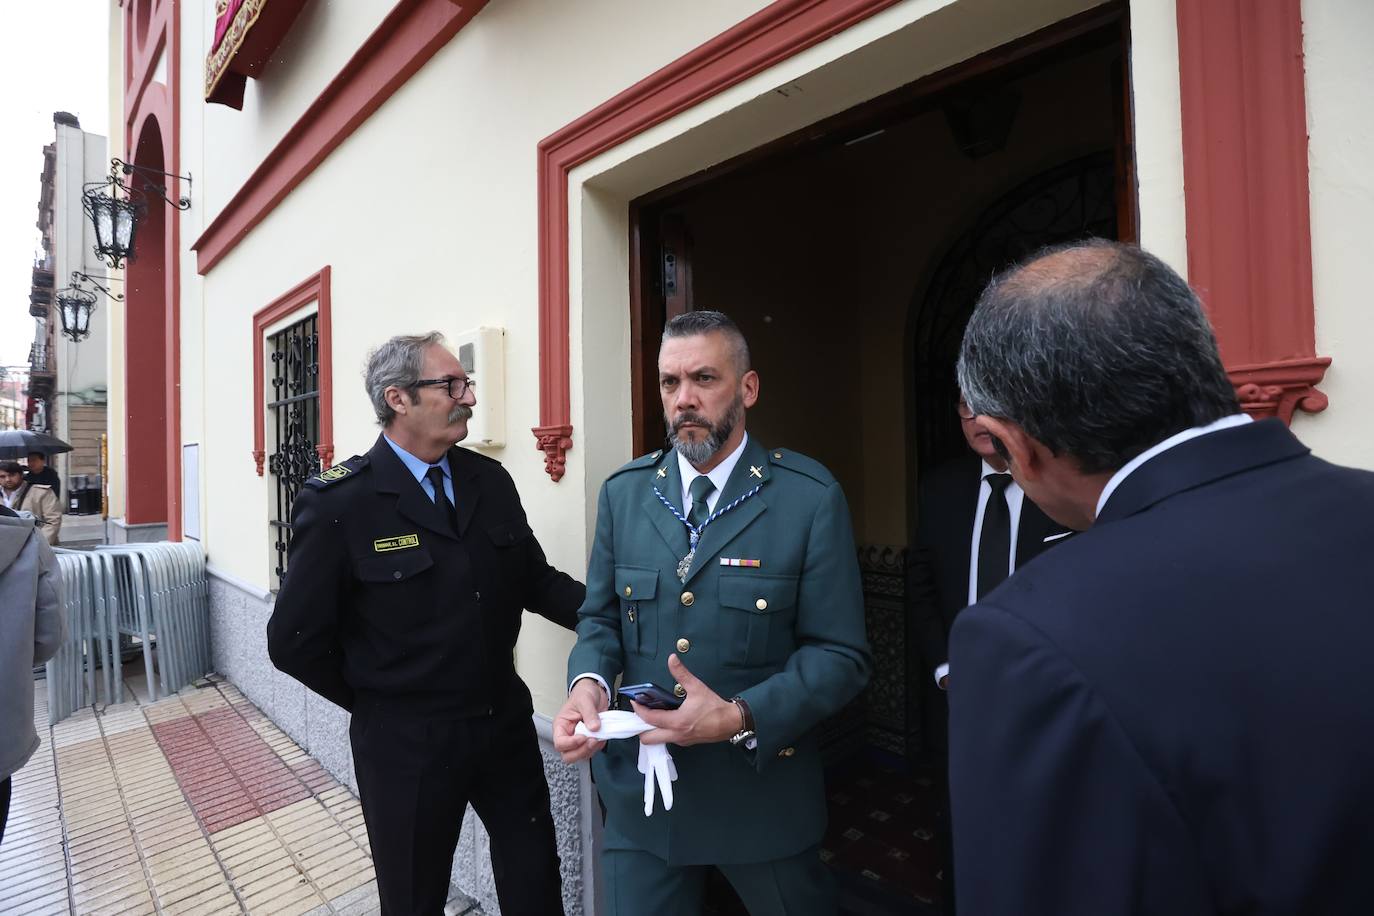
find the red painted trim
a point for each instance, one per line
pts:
(775, 33)
(1246, 190)
(147, 99)
(408, 37)
(313, 289)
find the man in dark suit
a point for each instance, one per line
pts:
(409, 568)
(975, 528)
(1171, 712)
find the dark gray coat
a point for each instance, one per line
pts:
(31, 629)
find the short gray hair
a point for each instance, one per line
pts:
(1097, 349)
(397, 363)
(690, 324)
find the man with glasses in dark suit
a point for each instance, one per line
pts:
(408, 572)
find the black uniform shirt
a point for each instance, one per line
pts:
(383, 600)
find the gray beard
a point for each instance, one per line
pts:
(702, 451)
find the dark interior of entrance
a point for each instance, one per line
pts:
(851, 257)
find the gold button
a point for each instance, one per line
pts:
(679, 690)
(687, 599)
(787, 752)
(684, 645)
(761, 604)
(777, 454)
(627, 591)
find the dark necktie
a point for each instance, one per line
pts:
(994, 544)
(699, 490)
(435, 474)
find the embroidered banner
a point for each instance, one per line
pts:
(246, 34)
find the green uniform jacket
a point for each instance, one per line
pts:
(786, 635)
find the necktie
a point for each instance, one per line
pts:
(699, 490)
(994, 544)
(435, 475)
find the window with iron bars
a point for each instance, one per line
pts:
(294, 416)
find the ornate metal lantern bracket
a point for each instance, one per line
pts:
(115, 212)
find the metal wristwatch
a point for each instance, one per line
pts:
(746, 717)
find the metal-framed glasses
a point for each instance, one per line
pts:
(965, 411)
(456, 387)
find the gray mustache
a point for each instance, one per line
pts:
(461, 412)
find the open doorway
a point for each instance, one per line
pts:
(851, 254)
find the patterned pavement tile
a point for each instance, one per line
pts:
(191, 806)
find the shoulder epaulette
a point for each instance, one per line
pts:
(344, 470)
(796, 461)
(643, 461)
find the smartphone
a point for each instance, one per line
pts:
(651, 695)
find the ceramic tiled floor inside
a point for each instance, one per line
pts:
(195, 804)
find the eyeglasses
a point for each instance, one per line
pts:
(965, 411)
(450, 383)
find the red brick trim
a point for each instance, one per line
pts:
(312, 289)
(408, 37)
(147, 100)
(775, 33)
(1246, 191)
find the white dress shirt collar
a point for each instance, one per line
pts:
(718, 476)
(1235, 419)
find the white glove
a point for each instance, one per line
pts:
(654, 760)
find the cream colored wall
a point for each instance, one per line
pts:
(1340, 77)
(1158, 130)
(197, 19)
(427, 215)
(114, 352)
(321, 40)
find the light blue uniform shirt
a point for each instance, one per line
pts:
(420, 468)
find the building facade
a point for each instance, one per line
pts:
(840, 175)
(68, 378)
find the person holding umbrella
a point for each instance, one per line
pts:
(40, 472)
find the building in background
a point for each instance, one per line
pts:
(68, 377)
(841, 176)
(13, 400)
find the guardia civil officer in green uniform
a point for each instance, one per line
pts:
(725, 572)
(410, 568)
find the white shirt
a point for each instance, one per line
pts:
(1015, 498)
(1236, 419)
(7, 496)
(718, 475)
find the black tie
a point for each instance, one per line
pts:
(699, 489)
(994, 544)
(436, 480)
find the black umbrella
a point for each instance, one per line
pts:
(20, 443)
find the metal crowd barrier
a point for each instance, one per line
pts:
(158, 593)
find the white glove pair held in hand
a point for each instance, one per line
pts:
(654, 760)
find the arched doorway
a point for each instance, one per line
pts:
(145, 346)
(1070, 201)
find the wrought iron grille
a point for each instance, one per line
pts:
(294, 413)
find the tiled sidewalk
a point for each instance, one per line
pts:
(196, 804)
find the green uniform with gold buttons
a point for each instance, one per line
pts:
(771, 610)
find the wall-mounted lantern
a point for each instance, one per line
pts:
(115, 213)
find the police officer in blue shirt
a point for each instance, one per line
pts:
(409, 569)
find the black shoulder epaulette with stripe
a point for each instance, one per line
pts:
(344, 470)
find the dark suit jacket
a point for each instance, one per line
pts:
(937, 578)
(1173, 713)
(382, 599)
